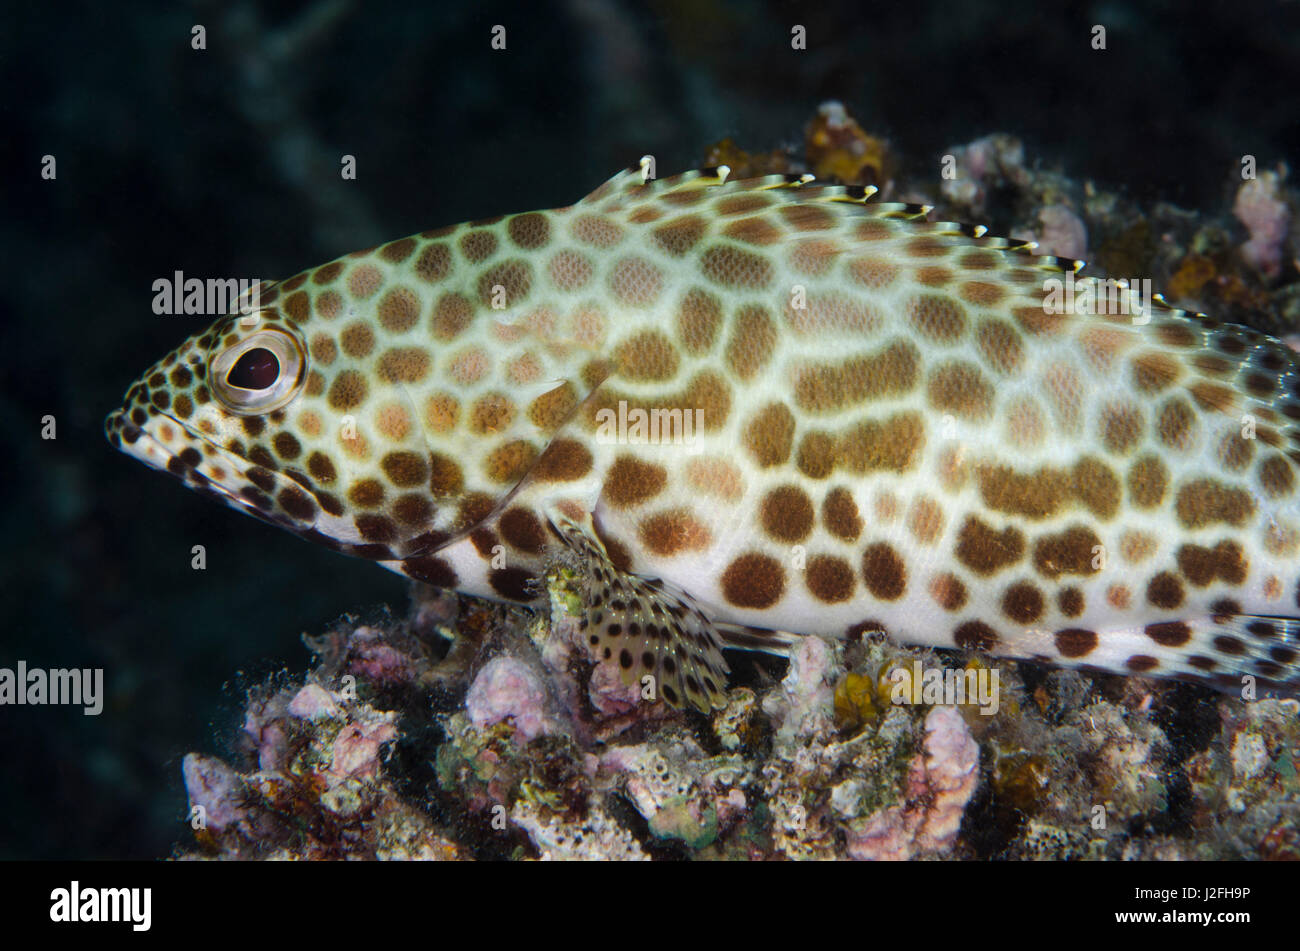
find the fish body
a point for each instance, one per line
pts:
(757, 410)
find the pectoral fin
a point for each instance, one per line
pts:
(645, 625)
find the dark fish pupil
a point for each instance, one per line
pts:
(255, 370)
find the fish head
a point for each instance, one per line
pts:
(210, 411)
(323, 427)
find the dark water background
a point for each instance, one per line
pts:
(224, 162)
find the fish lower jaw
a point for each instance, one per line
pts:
(143, 444)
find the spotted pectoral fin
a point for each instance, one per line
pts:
(645, 625)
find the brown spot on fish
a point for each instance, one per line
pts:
(1204, 502)
(1073, 551)
(975, 636)
(753, 581)
(884, 571)
(840, 514)
(1201, 565)
(948, 591)
(985, 550)
(1076, 642)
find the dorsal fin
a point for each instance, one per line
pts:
(637, 181)
(635, 184)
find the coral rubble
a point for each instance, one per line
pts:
(494, 735)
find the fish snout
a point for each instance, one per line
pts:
(119, 430)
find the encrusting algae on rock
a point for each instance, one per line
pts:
(382, 753)
(894, 431)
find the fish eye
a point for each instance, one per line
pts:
(259, 373)
(257, 369)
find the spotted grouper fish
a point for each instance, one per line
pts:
(757, 410)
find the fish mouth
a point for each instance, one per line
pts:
(164, 443)
(135, 440)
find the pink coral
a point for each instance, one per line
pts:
(313, 702)
(939, 785)
(951, 772)
(508, 689)
(263, 726)
(1063, 233)
(356, 748)
(609, 695)
(990, 162)
(805, 705)
(887, 835)
(372, 656)
(215, 787)
(1265, 214)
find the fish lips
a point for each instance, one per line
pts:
(143, 442)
